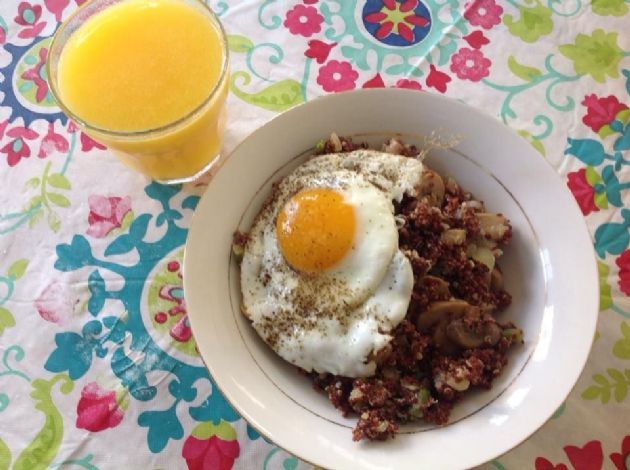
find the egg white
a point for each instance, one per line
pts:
(267, 278)
(350, 350)
(337, 320)
(393, 175)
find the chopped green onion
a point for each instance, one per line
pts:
(320, 145)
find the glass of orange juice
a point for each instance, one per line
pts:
(147, 78)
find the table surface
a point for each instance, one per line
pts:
(86, 327)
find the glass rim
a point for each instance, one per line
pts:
(142, 132)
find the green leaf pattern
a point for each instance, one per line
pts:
(46, 202)
(522, 71)
(237, 43)
(5, 456)
(57, 180)
(17, 269)
(7, 320)
(605, 296)
(615, 385)
(40, 453)
(597, 55)
(609, 7)
(533, 23)
(621, 349)
(277, 97)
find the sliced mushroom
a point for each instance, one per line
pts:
(393, 146)
(441, 309)
(335, 141)
(482, 255)
(437, 285)
(451, 185)
(432, 187)
(494, 226)
(496, 279)
(457, 384)
(487, 308)
(453, 236)
(487, 243)
(441, 339)
(462, 335)
(476, 206)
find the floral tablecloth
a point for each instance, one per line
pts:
(98, 367)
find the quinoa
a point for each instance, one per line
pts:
(450, 340)
(422, 373)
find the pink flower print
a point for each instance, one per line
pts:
(56, 303)
(601, 111)
(99, 409)
(437, 79)
(3, 35)
(72, 127)
(87, 143)
(588, 457)
(34, 75)
(181, 330)
(18, 148)
(28, 17)
(337, 76)
(22, 132)
(318, 50)
(484, 13)
(3, 127)
(542, 463)
(623, 263)
(582, 190)
(106, 214)
(409, 84)
(620, 458)
(303, 20)
(56, 7)
(211, 447)
(476, 39)
(470, 65)
(51, 142)
(28, 14)
(374, 82)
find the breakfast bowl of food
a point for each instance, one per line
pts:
(390, 279)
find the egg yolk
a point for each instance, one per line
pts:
(315, 229)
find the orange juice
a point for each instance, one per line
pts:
(147, 78)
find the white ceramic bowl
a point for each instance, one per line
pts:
(549, 268)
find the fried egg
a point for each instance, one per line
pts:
(322, 279)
